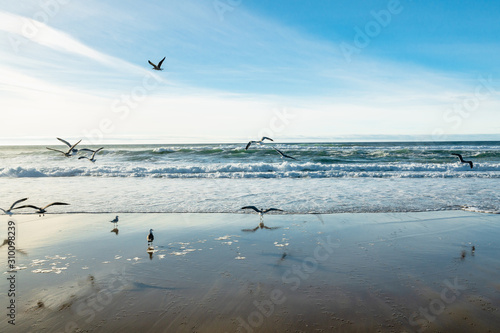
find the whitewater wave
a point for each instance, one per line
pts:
(262, 170)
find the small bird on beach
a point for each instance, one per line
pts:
(115, 220)
(462, 160)
(92, 158)
(69, 153)
(284, 155)
(150, 237)
(42, 210)
(258, 142)
(9, 211)
(157, 67)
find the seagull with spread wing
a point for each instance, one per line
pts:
(157, 67)
(42, 210)
(92, 158)
(9, 211)
(68, 153)
(258, 142)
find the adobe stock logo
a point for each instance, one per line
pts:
(363, 37)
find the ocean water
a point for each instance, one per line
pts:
(324, 178)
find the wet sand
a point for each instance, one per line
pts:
(387, 272)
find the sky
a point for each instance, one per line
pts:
(235, 70)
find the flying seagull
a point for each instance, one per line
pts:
(73, 150)
(157, 67)
(261, 211)
(284, 155)
(92, 158)
(462, 160)
(69, 152)
(261, 215)
(8, 211)
(41, 210)
(258, 142)
(150, 237)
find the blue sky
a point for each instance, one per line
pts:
(238, 69)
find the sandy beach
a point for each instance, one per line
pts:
(387, 272)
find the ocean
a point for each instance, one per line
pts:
(222, 178)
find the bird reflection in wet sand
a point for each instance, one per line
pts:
(18, 250)
(260, 226)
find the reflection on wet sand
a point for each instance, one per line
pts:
(260, 226)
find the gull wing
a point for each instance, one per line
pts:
(55, 203)
(151, 63)
(18, 201)
(271, 209)
(64, 141)
(283, 155)
(266, 138)
(95, 152)
(161, 62)
(62, 152)
(73, 146)
(252, 207)
(248, 145)
(28, 206)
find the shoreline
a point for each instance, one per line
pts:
(347, 271)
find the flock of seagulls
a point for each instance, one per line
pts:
(72, 150)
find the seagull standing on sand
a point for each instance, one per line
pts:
(157, 67)
(151, 237)
(69, 153)
(258, 142)
(92, 158)
(8, 211)
(462, 160)
(42, 210)
(114, 221)
(284, 155)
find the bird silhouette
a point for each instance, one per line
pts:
(68, 153)
(462, 160)
(42, 210)
(92, 158)
(157, 67)
(8, 211)
(258, 142)
(284, 155)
